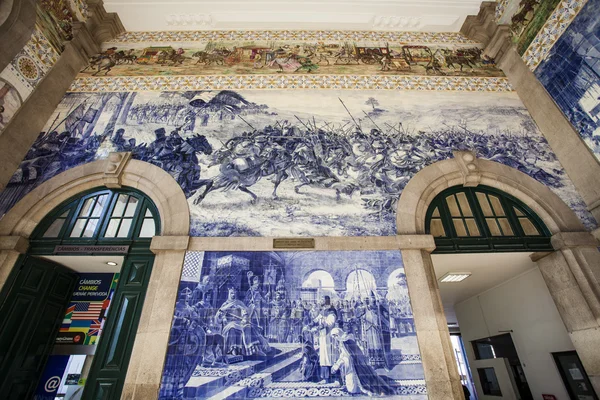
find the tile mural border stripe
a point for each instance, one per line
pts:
(552, 30)
(248, 82)
(500, 8)
(299, 35)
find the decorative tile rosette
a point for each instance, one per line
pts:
(248, 82)
(309, 36)
(552, 30)
(27, 68)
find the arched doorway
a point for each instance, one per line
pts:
(116, 171)
(96, 312)
(317, 284)
(467, 221)
(360, 284)
(572, 253)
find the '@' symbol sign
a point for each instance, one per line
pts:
(52, 384)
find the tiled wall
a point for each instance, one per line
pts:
(293, 324)
(571, 74)
(294, 162)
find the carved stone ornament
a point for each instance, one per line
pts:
(115, 164)
(467, 160)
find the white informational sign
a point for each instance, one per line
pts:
(576, 374)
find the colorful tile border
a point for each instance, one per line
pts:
(203, 36)
(31, 64)
(248, 82)
(552, 30)
(500, 8)
(40, 47)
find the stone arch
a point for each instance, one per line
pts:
(569, 271)
(115, 171)
(361, 273)
(468, 170)
(306, 275)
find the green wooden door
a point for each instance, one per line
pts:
(107, 374)
(29, 322)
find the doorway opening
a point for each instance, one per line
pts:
(500, 346)
(75, 299)
(83, 324)
(493, 294)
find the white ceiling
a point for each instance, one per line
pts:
(88, 263)
(488, 271)
(387, 15)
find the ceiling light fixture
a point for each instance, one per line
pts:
(454, 277)
(111, 263)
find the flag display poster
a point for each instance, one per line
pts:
(88, 309)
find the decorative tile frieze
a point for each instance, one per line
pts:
(203, 36)
(40, 47)
(552, 30)
(238, 82)
(500, 8)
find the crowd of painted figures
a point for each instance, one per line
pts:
(305, 57)
(375, 162)
(339, 338)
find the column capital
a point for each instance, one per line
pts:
(169, 243)
(481, 27)
(567, 240)
(500, 43)
(535, 257)
(103, 25)
(416, 242)
(594, 209)
(14, 243)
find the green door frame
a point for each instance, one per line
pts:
(486, 242)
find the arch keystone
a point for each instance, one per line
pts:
(113, 171)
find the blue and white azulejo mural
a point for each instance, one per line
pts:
(292, 325)
(291, 163)
(571, 74)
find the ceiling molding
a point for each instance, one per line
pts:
(195, 20)
(401, 15)
(399, 37)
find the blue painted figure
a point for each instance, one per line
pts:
(325, 322)
(309, 366)
(358, 376)
(571, 74)
(240, 335)
(183, 348)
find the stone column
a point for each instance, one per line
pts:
(28, 122)
(11, 247)
(439, 364)
(572, 274)
(575, 156)
(147, 359)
